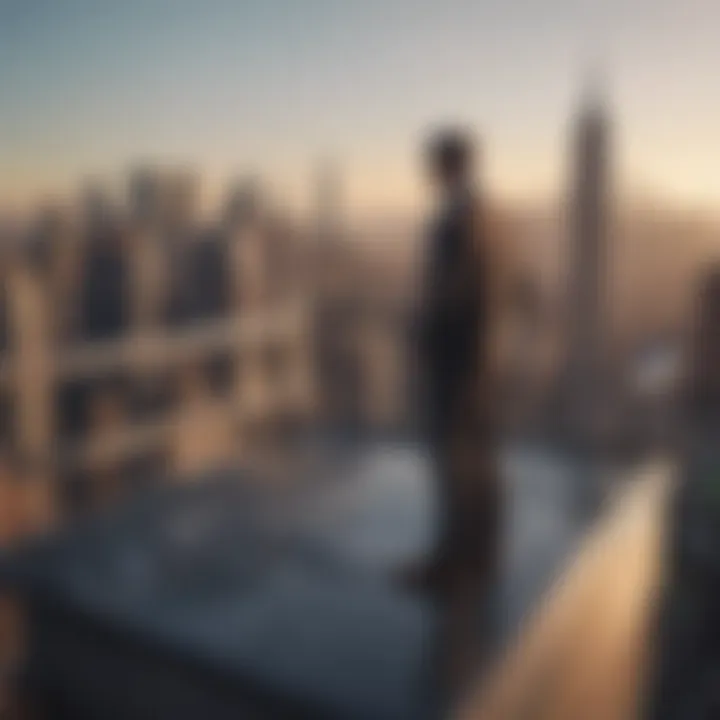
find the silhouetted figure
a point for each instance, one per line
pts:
(686, 677)
(456, 355)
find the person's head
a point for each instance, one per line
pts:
(450, 158)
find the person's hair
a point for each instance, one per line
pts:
(450, 152)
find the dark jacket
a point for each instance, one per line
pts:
(454, 309)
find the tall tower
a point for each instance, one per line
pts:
(145, 195)
(246, 233)
(329, 200)
(335, 321)
(244, 202)
(588, 268)
(329, 272)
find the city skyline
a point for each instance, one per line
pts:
(90, 87)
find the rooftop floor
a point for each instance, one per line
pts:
(293, 595)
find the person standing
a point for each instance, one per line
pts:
(459, 321)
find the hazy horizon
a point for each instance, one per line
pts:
(271, 87)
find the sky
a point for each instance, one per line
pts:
(88, 87)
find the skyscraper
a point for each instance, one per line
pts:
(181, 190)
(329, 194)
(244, 202)
(144, 195)
(588, 267)
(165, 197)
(335, 322)
(95, 204)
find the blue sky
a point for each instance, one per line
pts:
(272, 85)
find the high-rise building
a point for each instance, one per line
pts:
(165, 197)
(329, 201)
(96, 205)
(331, 271)
(335, 319)
(243, 203)
(145, 191)
(704, 372)
(588, 268)
(181, 196)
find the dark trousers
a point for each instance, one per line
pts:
(464, 448)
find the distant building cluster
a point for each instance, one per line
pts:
(139, 339)
(135, 312)
(118, 317)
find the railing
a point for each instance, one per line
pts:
(160, 351)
